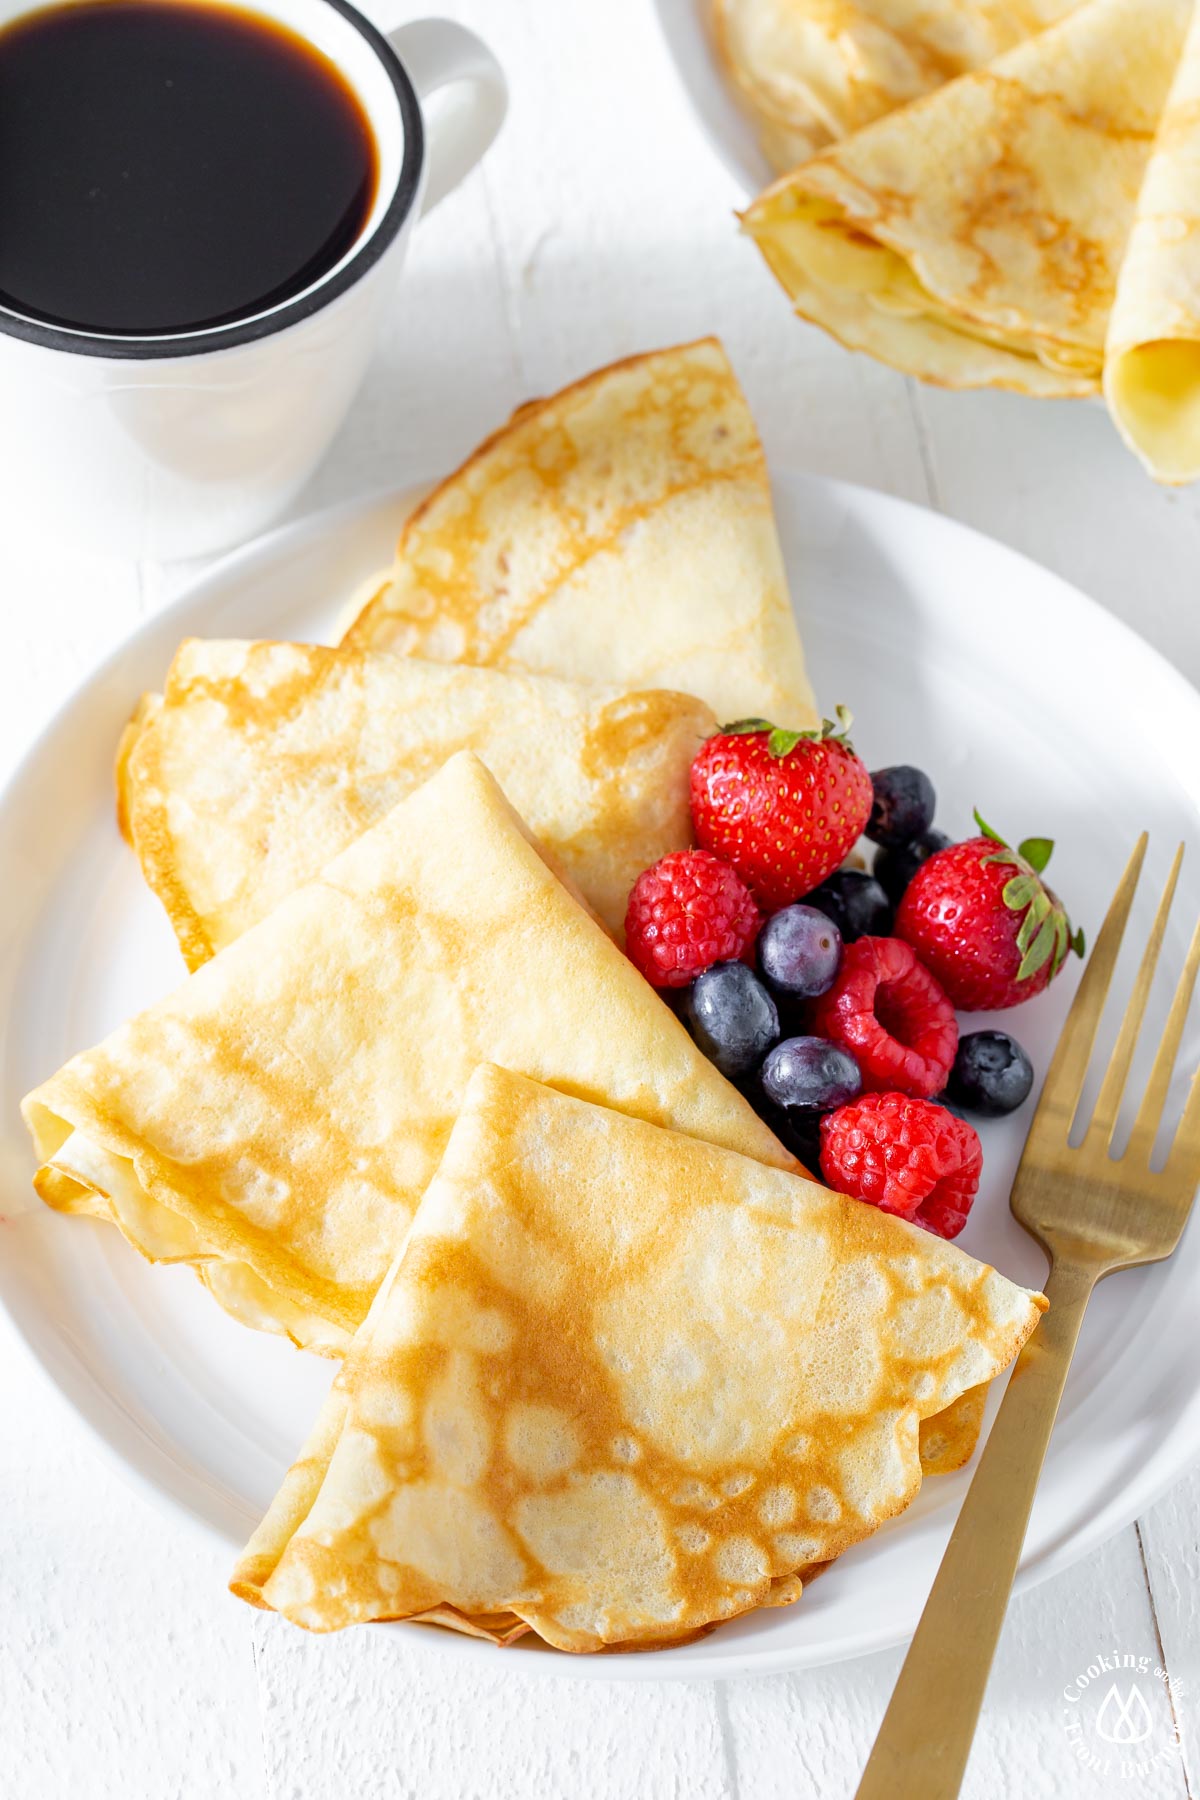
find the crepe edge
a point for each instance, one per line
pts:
(144, 825)
(91, 1182)
(1050, 383)
(255, 1568)
(301, 1487)
(359, 635)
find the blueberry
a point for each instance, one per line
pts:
(895, 868)
(732, 1016)
(799, 1132)
(991, 1075)
(903, 805)
(811, 1074)
(855, 902)
(799, 950)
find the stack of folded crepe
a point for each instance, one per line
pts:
(604, 578)
(614, 1369)
(275, 1120)
(1000, 197)
(810, 72)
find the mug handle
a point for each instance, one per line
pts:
(437, 53)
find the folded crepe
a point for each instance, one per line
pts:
(974, 237)
(276, 1119)
(620, 532)
(1152, 367)
(264, 761)
(810, 72)
(948, 1438)
(621, 1385)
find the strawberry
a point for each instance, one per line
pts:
(984, 923)
(784, 807)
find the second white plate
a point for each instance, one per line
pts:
(685, 29)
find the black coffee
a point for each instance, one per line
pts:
(167, 166)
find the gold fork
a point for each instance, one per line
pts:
(1093, 1214)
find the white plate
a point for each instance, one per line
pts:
(1012, 689)
(686, 32)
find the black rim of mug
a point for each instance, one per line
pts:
(291, 312)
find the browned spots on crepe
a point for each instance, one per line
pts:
(974, 237)
(623, 1385)
(811, 72)
(275, 1121)
(619, 532)
(263, 761)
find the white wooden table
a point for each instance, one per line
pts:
(600, 225)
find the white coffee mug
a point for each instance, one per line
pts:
(177, 445)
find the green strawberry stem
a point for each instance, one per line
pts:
(1045, 931)
(781, 742)
(1036, 851)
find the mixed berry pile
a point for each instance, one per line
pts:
(828, 993)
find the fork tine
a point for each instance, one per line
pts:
(1108, 1105)
(1149, 1118)
(1183, 1161)
(1068, 1067)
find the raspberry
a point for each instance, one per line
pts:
(687, 912)
(904, 1156)
(889, 1012)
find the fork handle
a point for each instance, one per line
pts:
(923, 1744)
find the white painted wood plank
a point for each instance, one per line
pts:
(125, 1668)
(807, 1736)
(444, 374)
(364, 1714)
(1170, 1534)
(60, 614)
(623, 237)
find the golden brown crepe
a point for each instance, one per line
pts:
(620, 533)
(620, 1385)
(974, 237)
(1152, 366)
(948, 1438)
(264, 761)
(276, 1119)
(810, 72)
